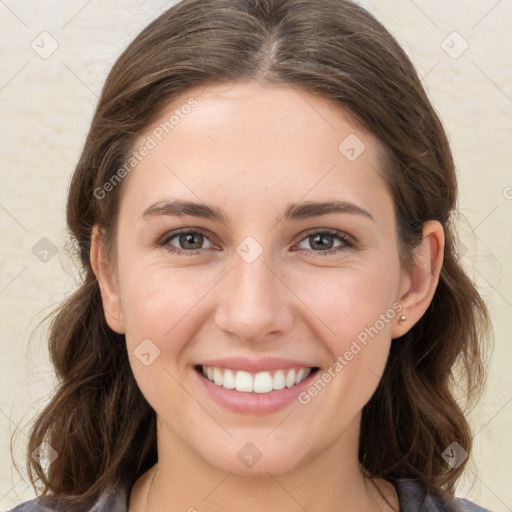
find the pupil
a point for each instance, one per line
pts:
(320, 237)
(189, 239)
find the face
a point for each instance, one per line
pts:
(267, 284)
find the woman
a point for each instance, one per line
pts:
(300, 353)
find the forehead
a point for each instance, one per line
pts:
(240, 142)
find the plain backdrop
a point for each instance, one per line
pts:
(54, 58)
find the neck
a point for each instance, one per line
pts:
(328, 482)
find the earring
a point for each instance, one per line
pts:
(402, 319)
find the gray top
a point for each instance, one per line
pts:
(410, 495)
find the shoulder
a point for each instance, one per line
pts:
(413, 499)
(411, 496)
(115, 500)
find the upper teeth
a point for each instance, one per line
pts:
(262, 382)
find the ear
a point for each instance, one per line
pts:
(107, 281)
(417, 289)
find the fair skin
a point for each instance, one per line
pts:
(251, 150)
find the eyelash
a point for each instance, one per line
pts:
(347, 243)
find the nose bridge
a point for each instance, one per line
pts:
(254, 303)
(255, 283)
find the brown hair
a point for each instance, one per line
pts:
(98, 421)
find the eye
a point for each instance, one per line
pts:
(189, 242)
(324, 241)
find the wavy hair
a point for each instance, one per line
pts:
(98, 420)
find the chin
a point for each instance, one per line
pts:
(256, 455)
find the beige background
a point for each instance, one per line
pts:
(47, 102)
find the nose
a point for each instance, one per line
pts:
(255, 304)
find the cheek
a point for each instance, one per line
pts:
(160, 307)
(346, 300)
(157, 299)
(358, 308)
(356, 303)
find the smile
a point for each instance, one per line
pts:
(261, 382)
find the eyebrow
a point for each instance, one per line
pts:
(296, 211)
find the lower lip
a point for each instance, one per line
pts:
(253, 403)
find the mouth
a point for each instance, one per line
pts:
(256, 383)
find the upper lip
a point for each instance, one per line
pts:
(255, 365)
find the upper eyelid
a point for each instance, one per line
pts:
(173, 234)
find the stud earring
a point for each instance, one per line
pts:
(402, 319)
